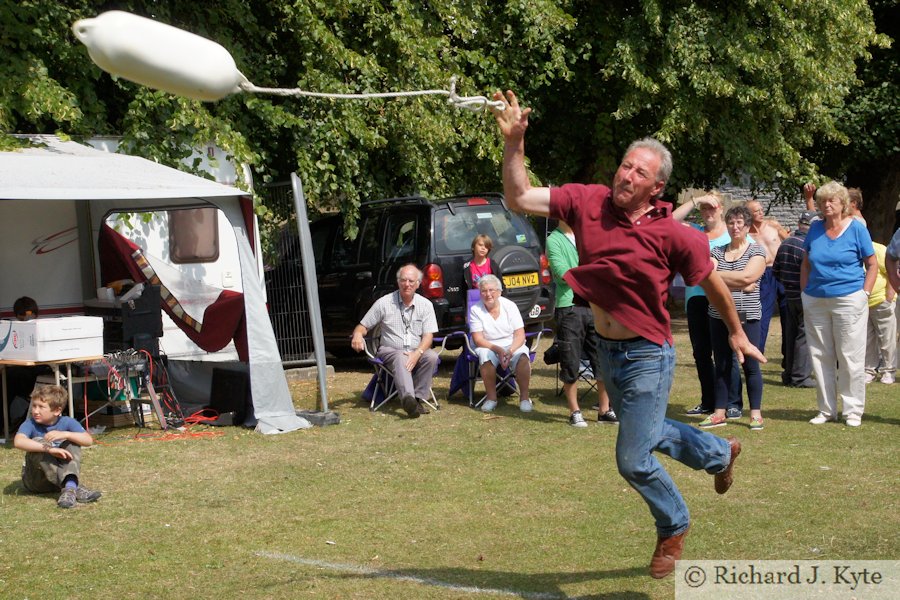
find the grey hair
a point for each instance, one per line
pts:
(833, 189)
(408, 265)
(486, 279)
(739, 211)
(665, 157)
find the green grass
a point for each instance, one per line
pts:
(512, 502)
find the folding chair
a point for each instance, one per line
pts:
(467, 372)
(585, 373)
(381, 388)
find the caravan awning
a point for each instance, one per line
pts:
(60, 170)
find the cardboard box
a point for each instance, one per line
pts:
(57, 338)
(120, 420)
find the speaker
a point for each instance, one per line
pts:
(229, 395)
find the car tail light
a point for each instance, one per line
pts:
(545, 270)
(433, 281)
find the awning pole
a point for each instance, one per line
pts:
(307, 259)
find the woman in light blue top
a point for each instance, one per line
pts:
(696, 306)
(837, 276)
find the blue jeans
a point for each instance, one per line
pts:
(638, 376)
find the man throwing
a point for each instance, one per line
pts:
(407, 324)
(630, 249)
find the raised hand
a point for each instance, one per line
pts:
(513, 120)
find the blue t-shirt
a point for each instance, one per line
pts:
(33, 430)
(723, 240)
(836, 265)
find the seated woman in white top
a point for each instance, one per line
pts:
(499, 335)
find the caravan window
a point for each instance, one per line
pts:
(193, 235)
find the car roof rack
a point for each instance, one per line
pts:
(399, 200)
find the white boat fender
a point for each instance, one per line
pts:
(159, 56)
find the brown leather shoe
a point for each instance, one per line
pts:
(725, 478)
(410, 406)
(668, 550)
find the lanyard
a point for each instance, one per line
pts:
(407, 321)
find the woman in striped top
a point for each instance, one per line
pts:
(741, 264)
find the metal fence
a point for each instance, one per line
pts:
(288, 308)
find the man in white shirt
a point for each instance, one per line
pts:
(407, 323)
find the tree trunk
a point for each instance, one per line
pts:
(880, 185)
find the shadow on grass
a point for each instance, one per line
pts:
(507, 408)
(16, 488)
(537, 586)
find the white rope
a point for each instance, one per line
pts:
(472, 103)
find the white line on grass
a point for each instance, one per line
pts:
(369, 572)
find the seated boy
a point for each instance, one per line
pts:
(25, 309)
(53, 445)
(20, 380)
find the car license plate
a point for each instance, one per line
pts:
(520, 280)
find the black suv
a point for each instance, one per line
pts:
(435, 235)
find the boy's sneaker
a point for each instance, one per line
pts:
(526, 405)
(85, 495)
(697, 411)
(712, 420)
(577, 420)
(608, 417)
(870, 377)
(66, 498)
(734, 413)
(887, 378)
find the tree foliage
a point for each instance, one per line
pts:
(733, 89)
(344, 152)
(870, 120)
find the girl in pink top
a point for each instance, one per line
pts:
(480, 265)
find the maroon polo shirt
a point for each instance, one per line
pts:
(626, 268)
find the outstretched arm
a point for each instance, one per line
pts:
(520, 195)
(720, 297)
